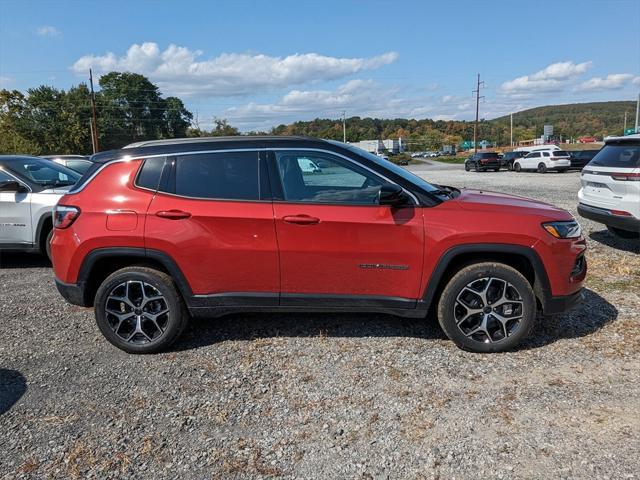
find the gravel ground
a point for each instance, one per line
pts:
(327, 396)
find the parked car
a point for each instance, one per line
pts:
(482, 161)
(580, 158)
(78, 163)
(509, 157)
(215, 226)
(29, 188)
(610, 192)
(544, 160)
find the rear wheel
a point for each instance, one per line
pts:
(139, 310)
(542, 168)
(477, 166)
(627, 234)
(487, 307)
(517, 167)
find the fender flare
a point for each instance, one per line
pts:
(541, 284)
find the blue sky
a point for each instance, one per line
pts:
(260, 63)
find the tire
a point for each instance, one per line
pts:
(47, 244)
(467, 168)
(477, 167)
(501, 285)
(517, 167)
(510, 166)
(141, 327)
(626, 234)
(542, 168)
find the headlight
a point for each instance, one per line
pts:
(570, 229)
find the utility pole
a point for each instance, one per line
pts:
(475, 125)
(344, 126)
(94, 122)
(511, 120)
(624, 130)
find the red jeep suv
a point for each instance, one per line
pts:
(163, 230)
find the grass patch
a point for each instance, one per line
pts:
(448, 159)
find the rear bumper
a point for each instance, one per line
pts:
(72, 293)
(555, 305)
(602, 215)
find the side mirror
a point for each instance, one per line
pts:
(12, 186)
(391, 194)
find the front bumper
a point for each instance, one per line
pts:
(604, 216)
(72, 293)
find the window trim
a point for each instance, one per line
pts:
(274, 170)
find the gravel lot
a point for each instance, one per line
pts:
(327, 396)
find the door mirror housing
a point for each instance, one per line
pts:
(392, 194)
(12, 186)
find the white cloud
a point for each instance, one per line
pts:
(177, 70)
(48, 31)
(553, 78)
(613, 81)
(636, 81)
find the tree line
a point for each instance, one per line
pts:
(47, 120)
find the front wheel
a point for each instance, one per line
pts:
(47, 244)
(478, 169)
(139, 310)
(467, 168)
(517, 167)
(542, 168)
(487, 307)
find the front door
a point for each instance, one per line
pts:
(216, 221)
(337, 244)
(15, 215)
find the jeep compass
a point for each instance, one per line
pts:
(163, 230)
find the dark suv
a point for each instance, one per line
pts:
(154, 233)
(580, 158)
(509, 157)
(481, 162)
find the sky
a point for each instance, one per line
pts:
(263, 63)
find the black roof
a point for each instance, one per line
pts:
(177, 145)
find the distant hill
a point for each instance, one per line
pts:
(573, 120)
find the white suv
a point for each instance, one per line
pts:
(610, 192)
(29, 188)
(544, 160)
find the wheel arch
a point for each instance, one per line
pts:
(44, 226)
(102, 262)
(524, 259)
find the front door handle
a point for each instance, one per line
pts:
(301, 219)
(173, 214)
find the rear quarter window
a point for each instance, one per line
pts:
(150, 172)
(617, 156)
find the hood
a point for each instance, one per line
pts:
(481, 200)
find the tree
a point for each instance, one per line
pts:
(176, 118)
(223, 129)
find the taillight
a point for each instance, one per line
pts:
(621, 213)
(64, 216)
(630, 177)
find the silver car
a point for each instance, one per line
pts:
(29, 188)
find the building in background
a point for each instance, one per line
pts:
(377, 146)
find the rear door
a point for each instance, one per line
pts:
(338, 246)
(15, 215)
(213, 216)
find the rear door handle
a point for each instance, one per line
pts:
(173, 214)
(301, 219)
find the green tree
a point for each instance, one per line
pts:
(176, 118)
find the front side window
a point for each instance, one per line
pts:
(533, 155)
(324, 178)
(224, 175)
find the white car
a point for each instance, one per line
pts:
(543, 161)
(610, 192)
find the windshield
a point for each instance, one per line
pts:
(43, 172)
(401, 172)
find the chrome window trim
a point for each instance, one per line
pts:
(226, 150)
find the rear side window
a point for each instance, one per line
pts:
(224, 175)
(617, 156)
(149, 176)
